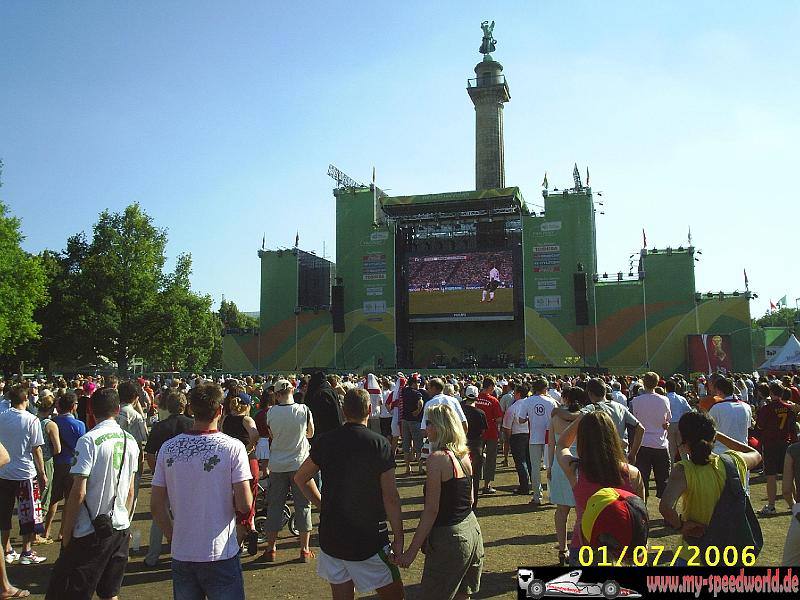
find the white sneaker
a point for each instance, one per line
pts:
(31, 559)
(767, 511)
(12, 556)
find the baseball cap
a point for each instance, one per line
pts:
(45, 393)
(471, 391)
(245, 399)
(614, 518)
(282, 385)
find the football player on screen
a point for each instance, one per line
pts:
(492, 284)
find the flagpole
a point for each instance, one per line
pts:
(297, 306)
(374, 199)
(644, 309)
(696, 316)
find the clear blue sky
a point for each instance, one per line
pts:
(221, 119)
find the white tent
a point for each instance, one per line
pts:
(788, 357)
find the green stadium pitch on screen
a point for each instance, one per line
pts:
(465, 286)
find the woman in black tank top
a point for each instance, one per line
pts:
(239, 425)
(448, 533)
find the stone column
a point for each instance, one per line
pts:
(488, 92)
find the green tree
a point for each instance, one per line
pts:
(233, 318)
(189, 329)
(23, 286)
(109, 297)
(63, 318)
(783, 317)
(120, 278)
(215, 359)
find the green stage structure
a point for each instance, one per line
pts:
(566, 313)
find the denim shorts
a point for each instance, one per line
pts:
(217, 580)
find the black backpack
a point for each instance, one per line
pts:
(733, 522)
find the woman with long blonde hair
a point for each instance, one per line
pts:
(448, 532)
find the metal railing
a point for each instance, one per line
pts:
(486, 81)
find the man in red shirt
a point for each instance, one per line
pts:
(775, 424)
(494, 415)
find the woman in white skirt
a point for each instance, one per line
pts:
(262, 447)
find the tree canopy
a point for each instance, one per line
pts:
(233, 318)
(110, 298)
(23, 286)
(783, 317)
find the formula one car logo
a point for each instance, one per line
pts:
(569, 585)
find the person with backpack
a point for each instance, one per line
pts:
(715, 509)
(95, 530)
(600, 465)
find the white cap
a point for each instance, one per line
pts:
(471, 392)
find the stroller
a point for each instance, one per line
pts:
(260, 521)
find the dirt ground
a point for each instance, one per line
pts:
(514, 534)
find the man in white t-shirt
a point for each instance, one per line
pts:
(435, 387)
(291, 425)
(552, 390)
(492, 284)
(732, 416)
(653, 412)
(131, 421)
(202, 529)
(94, 554)
(617, 395)
(436, 390)
(535, 411)
(518, 436)
(21, 434)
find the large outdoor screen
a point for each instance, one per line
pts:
(469, 286)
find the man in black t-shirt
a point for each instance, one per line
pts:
(476, 425)
(360, 494)
(412, 399)
(174, 425)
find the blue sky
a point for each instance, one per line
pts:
(221, 120)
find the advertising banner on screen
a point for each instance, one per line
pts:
(710, 353)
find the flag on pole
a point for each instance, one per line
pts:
(690, 235)
(587, 176)
(746, 281)
(545, 185)
(772, 305)
(373, 175)
(644, 239)
(263, 240)
(297, 240)
(782, 302)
